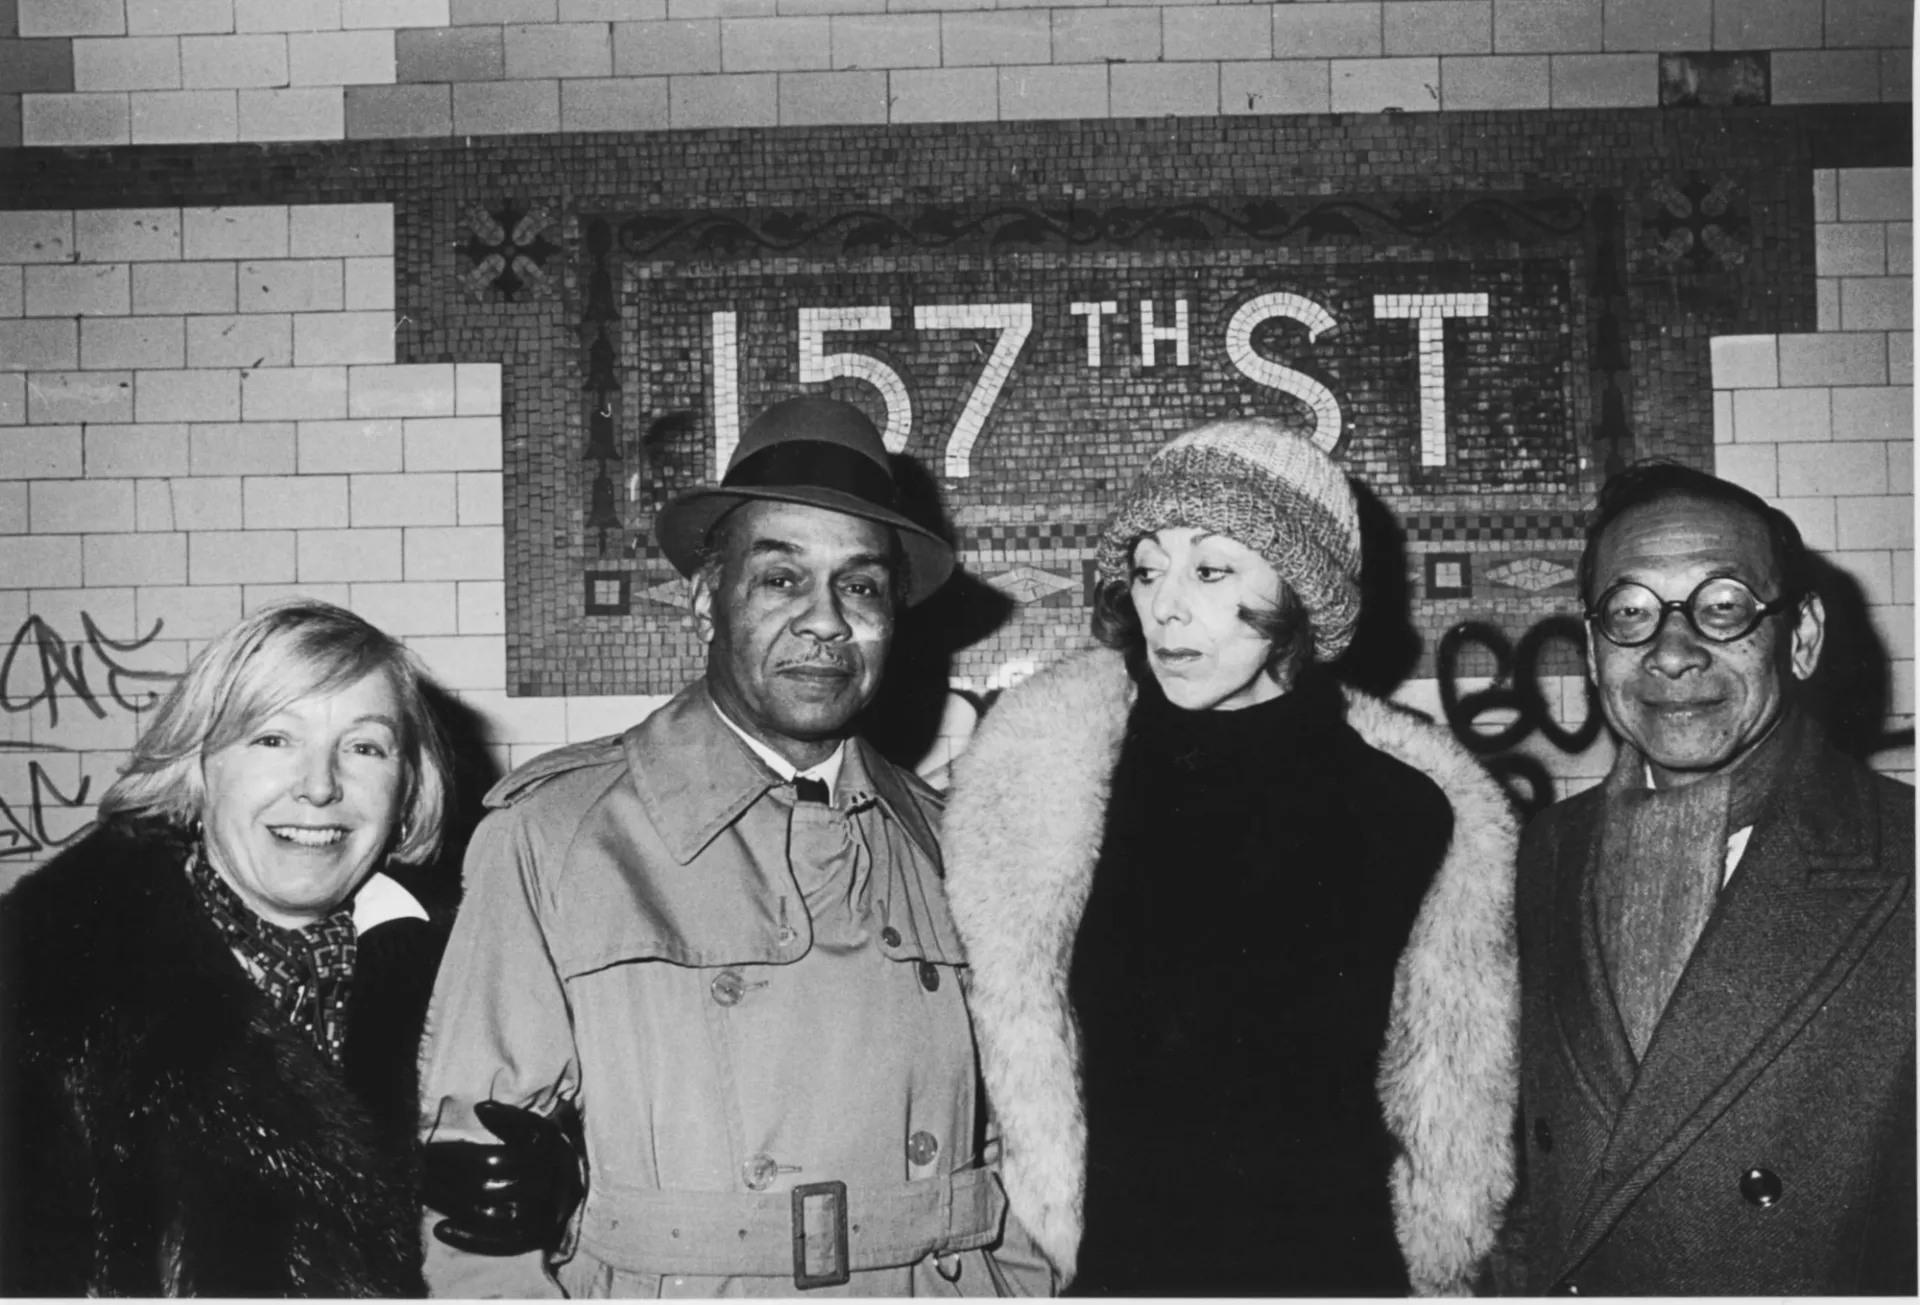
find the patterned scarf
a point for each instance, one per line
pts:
(305, 972)
(1663, 855)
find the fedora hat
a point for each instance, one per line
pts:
(819, 452)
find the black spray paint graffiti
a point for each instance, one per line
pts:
(1516, 688)
(53, 665)
(24, 836)
(41, 667)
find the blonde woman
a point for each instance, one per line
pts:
(210, 1005)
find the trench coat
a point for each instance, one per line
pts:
(1765, 1144)
(638, 937)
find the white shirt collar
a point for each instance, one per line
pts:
(828, 771)
(382, 899)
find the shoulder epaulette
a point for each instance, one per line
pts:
(574, 756)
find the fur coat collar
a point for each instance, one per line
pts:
(166, 1132)
(1023, 833)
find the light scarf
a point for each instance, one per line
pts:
(1662, 856)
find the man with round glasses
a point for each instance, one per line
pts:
(1717, 942)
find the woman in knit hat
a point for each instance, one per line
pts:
(1243, 971)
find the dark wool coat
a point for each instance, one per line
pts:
(1023, 835)
(1766, 1145)
(165, 1130)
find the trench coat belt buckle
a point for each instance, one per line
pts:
(758, 1234)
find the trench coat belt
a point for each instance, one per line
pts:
(750, 1234)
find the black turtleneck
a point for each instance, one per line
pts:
(1259, 876)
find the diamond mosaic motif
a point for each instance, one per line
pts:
(1532, 574)
(676, 592)
(1029, 584)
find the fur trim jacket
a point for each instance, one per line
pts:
(165, 1131)
(1023, 834)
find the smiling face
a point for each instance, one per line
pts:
(798, 617)
(1690, 705)
(301, 806)
(1189, 588)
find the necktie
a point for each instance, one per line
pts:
(810, 790)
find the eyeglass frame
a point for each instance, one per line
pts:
(1684, 606)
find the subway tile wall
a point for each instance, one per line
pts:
(117, 72)
(1822, 423)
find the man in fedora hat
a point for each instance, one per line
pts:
(721, 937)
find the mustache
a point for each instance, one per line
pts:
(822, 659)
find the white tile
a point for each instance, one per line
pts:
(79, 290)
(251, 448)
(206, 503)
(133, 342)
(357, 555)
(454, 553)
(453, 443)
(294, 503)
(197, 117)
(480, 498)
(188, 611)
(227, 62)
(121, 63)
(291, 285)
(202, 395)
(1744, 361)
(333, 339)
(294, 393)
(239, 232)
(405, 500)
(65, 398)
(369, 283)
(36, 236)
(407, 390)
(80, 507)
(406, 609)
(159, 559)
(483, 607)
(151, 450)
(242, 557)
(39, 561)
(350, 446)
(341, 230)
(296, 113)
(463, 661)
(477, 389)
(240, 340)
(127, 235)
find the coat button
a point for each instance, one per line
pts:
(1761, 1187)
(948, 1265)
(1565, 1287)
(890, 936)
(728, 987)
(929, 976)
(758, 1171)
(1542, 1133)
(922, 1148)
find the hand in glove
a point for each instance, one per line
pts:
(511, 1198)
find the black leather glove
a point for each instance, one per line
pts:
(512, 1198)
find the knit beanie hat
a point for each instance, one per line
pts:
(1262, 485)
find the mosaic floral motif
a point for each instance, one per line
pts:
(866, 232)
(507, 251)
(1029, 584)
(1700, 223)
(1532, 574)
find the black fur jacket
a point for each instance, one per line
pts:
(165, 1132)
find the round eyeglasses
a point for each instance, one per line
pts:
(1720, 610)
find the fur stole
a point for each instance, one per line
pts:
(166, 1131)
(1022, 835)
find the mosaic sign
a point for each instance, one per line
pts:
(1028, 363)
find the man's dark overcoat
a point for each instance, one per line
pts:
(164, 1131)
(1765, 1145)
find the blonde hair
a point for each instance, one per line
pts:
(282, 653)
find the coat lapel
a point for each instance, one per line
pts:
(1583, 1009)
(1800, 910)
